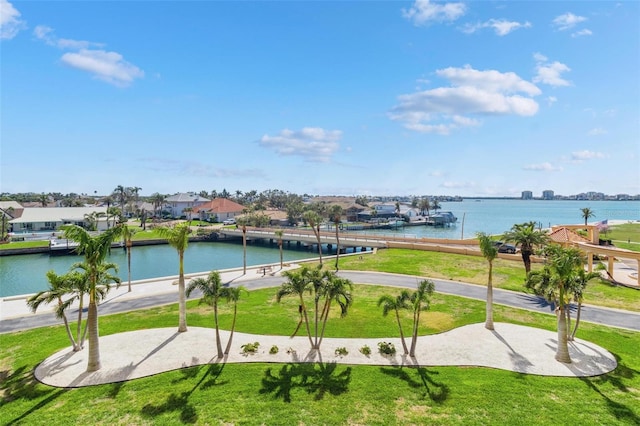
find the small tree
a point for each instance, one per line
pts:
(178, 238)
(279, 233)
(490, 252)
(587, 213)
(335, 214)
(528, 238)
(314, 220)
(232, 295)
(212, 291)
(127, 237)
(419, 302)
(390, 303)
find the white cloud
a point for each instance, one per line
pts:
(46, 34)
(105, 66)
(550, 72)
(586, 155)
(551, 100)
(311, 143)
(567, 21)
(582, 33)
(424, 11)
(10, 22)
(444, 109)
(597, 131)
(501, 27)
(543, 167)
(195, 168)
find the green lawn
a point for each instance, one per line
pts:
(322, 393)
(507, 274)
(24, 244)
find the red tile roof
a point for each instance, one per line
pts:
(564, 235)
(219, 205)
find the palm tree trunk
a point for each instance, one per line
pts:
(414, 338)
(337, 248)
(79, 338)
(575, 328)
(568, 314)
(526, 259)
(306, 320)
(218, 341)
(562, 352)
(325, 316)
(315, 324)
(233, 326)
(67, 328)
(402, 339)
(316, 230)
(182, 299)
(281, 263)
(244, 250)
(129, 245)
(489, 320)
(93, 363)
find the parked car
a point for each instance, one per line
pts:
(505, 248)
(229, 222)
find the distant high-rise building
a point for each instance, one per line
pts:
(527, 195)
(547, 195)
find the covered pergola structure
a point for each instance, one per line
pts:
(592, 248)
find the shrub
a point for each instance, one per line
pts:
(365, 350)
(342, 351)
(274, 350)
(250, 348)
(386, 348)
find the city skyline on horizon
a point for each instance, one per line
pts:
(474, 99)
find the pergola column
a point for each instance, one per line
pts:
(589, 261)
(611, 265)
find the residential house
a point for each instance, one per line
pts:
(176, 204)
(218, 210)
(38, 219)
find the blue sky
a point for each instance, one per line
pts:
(480, 98)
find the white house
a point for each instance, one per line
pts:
(177, 203)
(38, 219)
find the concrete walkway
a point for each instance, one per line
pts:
(127, 356)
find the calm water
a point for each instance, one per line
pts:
(26, 274)
(497, 216)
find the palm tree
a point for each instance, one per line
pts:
(555, 281)
(178, 238)
(297, 284)
(232, 294)
(390, 303)
(242, 221)
(120, 194)
(527, 237)
(94, 249)
(335, 289)
(127, 235)
(335, 215)
(419, 302)
(59, 287)
(279, 233)
(314, 219)
(44, 199)
(436, 205)
(578, 285)
(490, 252)
(586, 214)
(212, 291)
(425, 205)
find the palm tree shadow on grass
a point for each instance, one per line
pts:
(616, 379)
(180, 402)
(437, 392)
(313, 378)
(22, 384)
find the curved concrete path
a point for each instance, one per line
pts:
(131, 355)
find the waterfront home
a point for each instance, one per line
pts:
(178, 203)
(41, 219)
(218, 210)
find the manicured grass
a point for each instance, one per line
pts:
(322, 393)
(24, 244)
(508, 275)
(624, 232)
